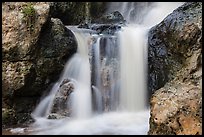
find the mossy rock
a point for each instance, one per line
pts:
(8, 117)
(29, 16)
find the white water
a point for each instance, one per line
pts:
(77, 69)
(127, 114)
(133, 68)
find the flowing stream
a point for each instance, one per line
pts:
(106, 79)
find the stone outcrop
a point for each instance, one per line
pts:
(109, 23)
(35, 48)
(21, 26)
(110, 18)
(72, 13)
(60, 104)
(175, 69)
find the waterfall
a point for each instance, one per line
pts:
(133, 68)
(106, 79)
(78, 70)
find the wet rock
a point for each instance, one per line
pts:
(107, 76)
(55, 116)
(84, 25)
(60, 103)
(171, 42)
(105, 28)
(176, 108)
(107, 24)
(56, 45)
(111, 18)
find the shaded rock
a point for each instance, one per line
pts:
(107, 24)
(176, 108)
(69, 12)
(84, 25)
(114, 17)
(105, 28)
(55, 116)
(56, 45)
(8, 116)
(72, 13)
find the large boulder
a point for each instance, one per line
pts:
(35, 48)
(171, 42)
(21, 26)
(175, 69)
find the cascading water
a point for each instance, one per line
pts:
(106, 80)
(78, 71)
(133, 68)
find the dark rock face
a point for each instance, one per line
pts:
(171, 42)
(111, 18)
(57, 44)
(105, 28)
(68, 12)
(175, 64)
(72, 13)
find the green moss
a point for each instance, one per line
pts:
(29, 16)
(28, 10)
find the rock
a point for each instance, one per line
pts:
(60, 105)
(19, 39)
(176, 107)
(56, 45)
(66, 88)
(21, 26)
(55, 116)
(84, 25)
(105, 28)
(35, 48)
(171, 42)
(72, 13)
(111, 18)
(107, 24)
(8, 116)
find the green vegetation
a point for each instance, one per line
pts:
(29, 16)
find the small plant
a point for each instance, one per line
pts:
(29, 16)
